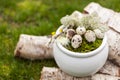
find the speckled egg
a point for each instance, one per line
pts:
(90, 36)
(70, 33)
(76, 41)
(80, 30)
(99, 34)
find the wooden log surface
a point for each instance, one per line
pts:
(108, 72)
(114, 22)
(110, 69)
(104, 13)
(33, 47)
(114, 46)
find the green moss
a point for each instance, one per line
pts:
(85, 46)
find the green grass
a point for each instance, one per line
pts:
(33, 17)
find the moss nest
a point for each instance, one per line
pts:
(85, 46)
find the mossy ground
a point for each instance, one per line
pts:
(33, 17)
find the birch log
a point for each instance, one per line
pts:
(56, 74)
(110, 69)
(92, 7)
(104, 77)
(114, 22)
(114, 46)
(104, 13)
(48, 73)
(33, 47)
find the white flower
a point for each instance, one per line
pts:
(76, 41)
(63, 40)
(70, 33)
(90, 36)
(80, 30)
(99, 34)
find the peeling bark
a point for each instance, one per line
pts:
(114, 22)
(56, 74)
(104, 77)
(104, 13)
(48, 73)
(33, 47)
(110, 69)
(114, 46)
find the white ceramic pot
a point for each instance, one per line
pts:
(80, 64)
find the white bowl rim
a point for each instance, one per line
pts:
(78, 54)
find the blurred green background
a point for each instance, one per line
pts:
(33, 17)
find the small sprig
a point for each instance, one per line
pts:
(55, 36)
